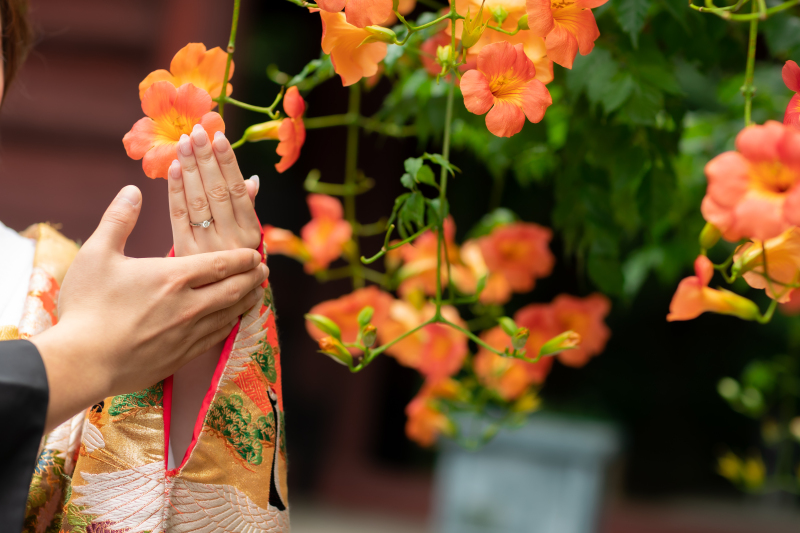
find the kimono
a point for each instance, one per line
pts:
(107, 470)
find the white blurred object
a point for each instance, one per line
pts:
(546, 477)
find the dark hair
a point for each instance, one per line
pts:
(17, 36)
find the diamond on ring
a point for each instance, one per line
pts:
(203, 224)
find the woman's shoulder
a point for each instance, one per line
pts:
(54, 252)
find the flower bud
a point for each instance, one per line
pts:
(368, 335)
(566, 341)
(379, 34)
(522, 23)
(519, 338)
(527, 403)
(499, 14)
(729, 303)
(365, 315)
(508, 325)
(444, 55)
(262, 132)
(709, 236)
(473, 29)
(334, 349)
(326, 325)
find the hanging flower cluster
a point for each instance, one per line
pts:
(753, 195)
(437, 307)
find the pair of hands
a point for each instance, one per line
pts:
(128, 323)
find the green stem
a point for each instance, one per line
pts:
(368, 124)
(471, 335)
(312, 184)
(748, 88)
(231, 47)
(258, 109)
(385, 248)
(501, 30)
(351, 179)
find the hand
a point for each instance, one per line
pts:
(204, 182)
(126, 323)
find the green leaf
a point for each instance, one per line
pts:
(508, 325)
(499, 217)
(407, 180)
(414, 209)
(398, 203)
(412, 166)
(441, 161)
(365, 316)
(606, 272)
(435, 204)
(325, 324)
(425, 175)
(631, 15)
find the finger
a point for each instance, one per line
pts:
(221, 318)
(214, 184)
(182, 235)
(118, 220)
(253, 185)
(203, 269)
(227, 292)
(196, 199)
(205, 343)
(240, 199)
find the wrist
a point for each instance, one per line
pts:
(75, 382)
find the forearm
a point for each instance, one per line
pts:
(74, 385)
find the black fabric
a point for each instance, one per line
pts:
(23, 408)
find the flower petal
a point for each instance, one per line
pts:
(153, 77)
(362, 13)
(158, 99)
(535, 100)
(497, 58)
(505, 119)
(760, 217)
(192, 101)
(759, 143)
(212, 123)
(580, 23)
(140, 139)
(351, 60)
(157, 160)
(332, 6)
(562, 47)
(478, 97)
(187, 58)
(728, 179)
(791, 76)
(792, 117)
(293, 103)
(540, 17)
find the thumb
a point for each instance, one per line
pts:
(118, 220)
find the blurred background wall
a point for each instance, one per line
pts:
(62, 161)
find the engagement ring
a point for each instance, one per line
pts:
(203, 224)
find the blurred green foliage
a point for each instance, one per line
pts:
(632, 126)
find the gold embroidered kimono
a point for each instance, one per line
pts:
(106, 470)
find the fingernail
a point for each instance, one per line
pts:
(220, 142)
(175, 169)
(130, 194)
(199, 135)
(185, 145)
(255, 179)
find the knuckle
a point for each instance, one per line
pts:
(179, 213)
(189, 166)
(198, 204)
(219, 267)
(227, 158)
(218, 193)
(238, 190)
(204, 156)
